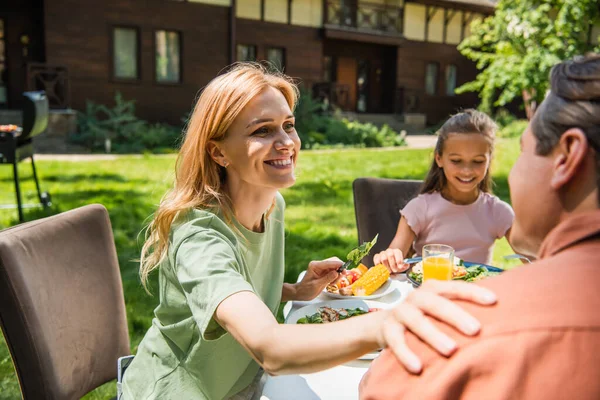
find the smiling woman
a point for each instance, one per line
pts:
(217, 241)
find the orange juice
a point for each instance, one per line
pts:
(439, 268)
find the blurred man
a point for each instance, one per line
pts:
(542, 339)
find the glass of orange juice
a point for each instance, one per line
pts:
(438, 262)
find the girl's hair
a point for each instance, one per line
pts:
(573, 102)
(199, 180)
(470, 122)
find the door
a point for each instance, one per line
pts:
(375, 86)
(3, 73)
(347, 75)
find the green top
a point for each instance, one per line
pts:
(185, 353)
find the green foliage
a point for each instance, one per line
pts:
(513, 130)
(319, 213)
(317, 129)
(126, 132)
(311, 118)
(503, 117)
(517, 46)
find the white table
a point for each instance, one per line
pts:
(339, 382)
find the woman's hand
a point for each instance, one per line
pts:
(433, 299)
(391, 258)
(318, 275)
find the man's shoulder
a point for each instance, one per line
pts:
(545, 320)
(556, 292)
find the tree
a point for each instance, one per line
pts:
(517, 46)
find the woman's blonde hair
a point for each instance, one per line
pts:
(199, 180)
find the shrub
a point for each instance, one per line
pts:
(125, 132)
(311, 118)
(514, 129)
(317, 128)
(503, 117)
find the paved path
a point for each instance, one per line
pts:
(413, 141)
(421, 141)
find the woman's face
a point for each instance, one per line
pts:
(465, 161)
(261, 146)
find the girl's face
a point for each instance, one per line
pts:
(261, 146)
(465, 160)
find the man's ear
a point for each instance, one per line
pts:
(569, 155)
(215, 153)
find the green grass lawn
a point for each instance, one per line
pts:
(319, 217)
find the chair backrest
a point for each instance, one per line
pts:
(61, 303)
(377, 204)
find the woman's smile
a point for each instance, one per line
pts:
(281, 162)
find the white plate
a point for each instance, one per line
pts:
(384, 290)
(312, 308)
(347, 303)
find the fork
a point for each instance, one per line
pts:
(517, 256)
(344, 266)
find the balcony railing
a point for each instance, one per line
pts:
(364, 16)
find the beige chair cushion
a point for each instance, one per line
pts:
(61, 303)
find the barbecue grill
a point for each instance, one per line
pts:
(17, 145)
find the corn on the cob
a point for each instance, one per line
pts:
(362, 268)
(371, 280)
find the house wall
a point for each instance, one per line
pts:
(78, 35)
(303, 46)
(414, 21)
(435, 32)
(411, 64)
(276, 11)
(223, 3)
(249, 9)
(81, 40)
(307, 13)
(454, 29)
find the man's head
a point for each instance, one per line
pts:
(558, 171)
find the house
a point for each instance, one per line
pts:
(376, 56)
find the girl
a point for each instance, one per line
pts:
(455, 206)
(217, 240)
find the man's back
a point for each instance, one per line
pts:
(542, 339)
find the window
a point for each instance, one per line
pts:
(450, 80)
(431, 78)
(168, 57)
(276, 56)
(246, 52)
(125, 53)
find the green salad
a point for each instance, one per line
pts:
(473, 273)
(360, 252)
(328, 314)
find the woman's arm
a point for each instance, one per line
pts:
(285, 349)
(393, 257)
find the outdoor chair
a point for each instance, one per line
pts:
(62, 310)
(377, 204)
